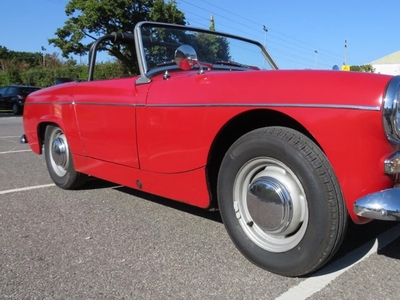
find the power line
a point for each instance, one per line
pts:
(58, 1)
(287, 42)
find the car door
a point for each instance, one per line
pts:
(4, 98)
(174, 131)
(106, 117)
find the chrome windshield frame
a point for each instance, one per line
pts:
(145, 75)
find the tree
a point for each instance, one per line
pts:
(363, 68)
(212, 23)
(89, 19)
(18, 60)
(368, 68)
(211, 48)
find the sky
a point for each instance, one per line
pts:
(299, 34)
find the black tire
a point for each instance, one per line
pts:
(59, 160)
(16, 109)
(280, 201)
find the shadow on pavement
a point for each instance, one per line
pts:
(392, 250)
(210, 214)
(359, 239)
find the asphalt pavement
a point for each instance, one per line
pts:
(107, 241)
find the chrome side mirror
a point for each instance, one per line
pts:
(186, 58)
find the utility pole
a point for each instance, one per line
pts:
(316, 59)
(44, 56)
(265, 44)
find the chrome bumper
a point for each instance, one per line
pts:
(23, 139)
(383, 205)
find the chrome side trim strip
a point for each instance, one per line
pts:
(84, 103)
(105, 104)
(49, 102)
(263, 105)
(335, 106)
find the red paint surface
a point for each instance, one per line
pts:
(161, 133)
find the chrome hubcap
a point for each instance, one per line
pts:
(270, 204)
(59, 152)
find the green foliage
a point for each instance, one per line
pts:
(44, 77)
(16, 59)
(34, 69)
(363, 68)
(212, 23)
(211, 48)
(165, 12)
(3, 79)
(38, 77)
(12, 76)
(109, 71)
(90, 19)
(161, 43)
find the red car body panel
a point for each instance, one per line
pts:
(158, 136)
(115, 119)
(52, 105)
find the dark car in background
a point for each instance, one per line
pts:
(12, 97)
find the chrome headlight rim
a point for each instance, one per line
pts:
(391, 111)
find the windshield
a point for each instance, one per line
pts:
(214, 50)
(26, 91)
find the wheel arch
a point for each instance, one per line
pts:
(41, 129)
(238, 126)
(62, 117)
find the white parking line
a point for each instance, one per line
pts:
(26, 188)
(9, 137)
(321, 279)
(15, 151)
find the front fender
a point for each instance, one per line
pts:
(49, 106)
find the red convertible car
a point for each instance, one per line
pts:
(288, 157)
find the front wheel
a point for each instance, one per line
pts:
(16, 109)
(59, 160)
(280, 201)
